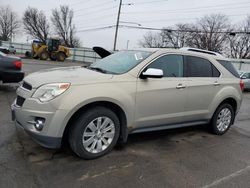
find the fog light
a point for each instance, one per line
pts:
(39, 123)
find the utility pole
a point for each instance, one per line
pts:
(117, 25)
(11, 27)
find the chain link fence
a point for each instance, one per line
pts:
(86, 55)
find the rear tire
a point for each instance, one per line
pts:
(222, 119)
(52, 57)
(94, 133)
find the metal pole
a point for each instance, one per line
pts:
(11, 27)
(127, 44)
(117, 24)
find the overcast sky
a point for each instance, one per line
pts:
(149, 13)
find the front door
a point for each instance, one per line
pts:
(161, 101)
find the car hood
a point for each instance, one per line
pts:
(74, 75)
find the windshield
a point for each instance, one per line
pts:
(120, 62)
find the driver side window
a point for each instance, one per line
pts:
(171, 65)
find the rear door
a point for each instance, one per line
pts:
(203, 83)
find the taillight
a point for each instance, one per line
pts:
(241, 85)
(18, 64)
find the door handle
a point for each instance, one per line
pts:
(216, 83)
(180, 86)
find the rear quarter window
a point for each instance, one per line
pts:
(229, 66)
(200, 67)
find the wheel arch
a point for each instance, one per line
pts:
(110, 105)
(231, 101)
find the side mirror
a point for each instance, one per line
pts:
(243, 77)
(152, 73)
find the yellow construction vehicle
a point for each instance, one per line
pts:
(52, 49)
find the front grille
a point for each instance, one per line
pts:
(19, 101)
(27, 86)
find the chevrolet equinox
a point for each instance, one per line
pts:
(127, 92)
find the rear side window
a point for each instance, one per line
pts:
(199, 67)
(229, 66)
(171, 65)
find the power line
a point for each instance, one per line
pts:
(97, 28)
(97, 11)
(78, 2)
(191, 11)
(149, 2)
(97, 17)
(186, 30)
(161, 29)
(94, 6)
(176, 19)
(193, 8)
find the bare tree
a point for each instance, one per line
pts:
(62, 20)
(240, 43)
(209, 33)
(176, 37)
(9, 23)
(151, 40)
(36, 24)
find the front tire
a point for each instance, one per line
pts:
(222, 119)
(44, 55)
(94, 133)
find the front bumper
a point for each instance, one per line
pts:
(49, 136)
(45, 141)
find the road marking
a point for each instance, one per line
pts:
(226, 178)
(111, 169)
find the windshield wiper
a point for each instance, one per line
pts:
(97, 69)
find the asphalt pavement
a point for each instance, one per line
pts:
(186, 157)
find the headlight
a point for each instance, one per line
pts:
(48, 92)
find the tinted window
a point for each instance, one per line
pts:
(172, 65)
(216, 73)
(198, 67)
(229, 66)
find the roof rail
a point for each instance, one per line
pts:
(201, 51)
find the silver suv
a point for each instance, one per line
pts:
(95, 107)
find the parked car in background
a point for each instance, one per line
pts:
(128, 92)
(4, 49)
(10, 69)
(245, 76)
(12, 49)
(8, 50)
